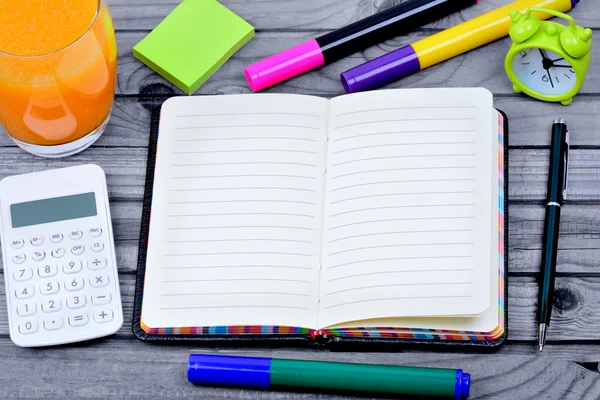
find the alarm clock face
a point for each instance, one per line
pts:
(544, 72)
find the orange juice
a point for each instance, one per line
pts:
(58, 61)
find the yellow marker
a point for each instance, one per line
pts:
(442, 46)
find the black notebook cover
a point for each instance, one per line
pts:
(351, 343)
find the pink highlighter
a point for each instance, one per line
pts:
(335, 45)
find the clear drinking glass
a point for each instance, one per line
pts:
(58, 64)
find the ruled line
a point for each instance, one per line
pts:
(247, 138)
(397, 219)
(396, 132)
(400, 232)
(230, 214)
(399, 258)
(244, 306)
(242, 227)
(245, 151)
(402, 181)
(397, 272)
(396, 298)
(410, 206)
(402, 169)
(398, 284)
(247, 126)
(405, 108)
(238, 279)
(242, 188)
(399, 194)
(398, 245)
(400, 144)
(245, 163)
(240, 240)
(243, 176)
(405, 156)
(245, 113)
(242, 201)
(241, 266)
(232, 253)
(403, 120)
(234, 293)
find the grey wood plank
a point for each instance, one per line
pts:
(481, 67)
(576, 314)
(309, 14)
(529, 121)
(126, 171)
(132, 370)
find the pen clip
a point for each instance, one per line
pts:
(566, 166)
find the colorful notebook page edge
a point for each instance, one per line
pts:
(404, 333)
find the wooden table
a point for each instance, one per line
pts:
(122, 367)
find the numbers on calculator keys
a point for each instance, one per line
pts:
(72, 266)
(27, 327)
(74, 284)
(23, 274)
(49, 288)
(76, 301)
(26, 309)
(47, 270)
(24, 292)
(51, 305)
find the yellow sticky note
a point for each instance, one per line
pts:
(193, 42)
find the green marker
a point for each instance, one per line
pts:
(270, 373)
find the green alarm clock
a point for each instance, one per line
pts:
(547, 61)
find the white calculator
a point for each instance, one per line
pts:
(58, 252)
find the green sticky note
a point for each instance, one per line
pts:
(193, 42)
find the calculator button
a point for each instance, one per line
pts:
(38, 255)
(27, 327)
(100, 280)
(17, 243)
(19, 258)
(101, 299)
(77, 249)
(56, 237)
(26, 309)
(76, 235)
(24, 292)
(23, 274)
(37, 240)
(51, 305)
(72, 266)
(53, 324)
(95, 232)
(58, 253)
(74, 302)
(97, 247)
(49, 288)
(97, 263)
(78, 320)
(74, 284)
(47, 271)
(102, 315)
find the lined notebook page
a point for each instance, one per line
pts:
(408, 205)
(235, 228)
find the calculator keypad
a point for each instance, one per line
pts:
(61, 280)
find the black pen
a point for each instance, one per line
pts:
(557, 194)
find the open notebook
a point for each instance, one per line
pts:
(375, 214)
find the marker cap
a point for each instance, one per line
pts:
(382, 70)
(462, 386)
(250, 372)
(285, 65)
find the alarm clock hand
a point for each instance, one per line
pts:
(550, 76)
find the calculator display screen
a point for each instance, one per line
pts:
(53, 210)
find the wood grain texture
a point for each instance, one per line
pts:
(308, 14)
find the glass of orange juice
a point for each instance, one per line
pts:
(58, 65)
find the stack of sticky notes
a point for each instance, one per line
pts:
(193, 42)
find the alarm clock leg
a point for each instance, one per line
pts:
(516, 89)
(567, 102)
